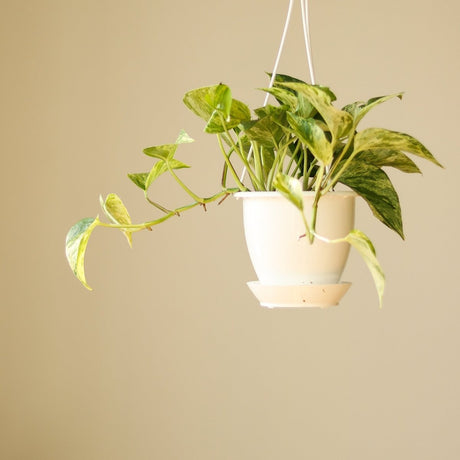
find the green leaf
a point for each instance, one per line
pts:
(75, 246)
(239, 113)
(308, 131)
(284, 97)
(359, 109)
(184, 138)
(265, 131)
(139, 179)
(379, 138)
(365, 247)
(290, 188)
(211, 104)
(303, 108)
(280, 78)
(162, 152)
(161, 167)
(117, 213)
(296, 103)
(157, 170)
(338, 121)
(375, 187)
(220, 99)
(271, 110)
(386, 157)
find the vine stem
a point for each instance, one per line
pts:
(242, 155)
(230, 165)
(176, 212)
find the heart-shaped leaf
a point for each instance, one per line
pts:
(290, 188)
(162, 152)
(212, 104)
(375, 187)
(184, 138)
(308, 131)
(117, 213)
(161, 167)
(379, 138)
(75, 246)
(387, 157)
(359, 109)
(139, 179)
(366, 249)
(338, 121)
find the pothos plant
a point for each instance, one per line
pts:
(303, 143)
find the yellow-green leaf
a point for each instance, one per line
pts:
(290, 188)
(311, 134)
(365, 247)
(162, 152)
(338, 121)
(161, 167)
(379, 138)
(139, 179)
(215, 105)
(117, 213)
(183, 138)
(75, 246)
(359, 109)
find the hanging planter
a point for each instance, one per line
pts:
(278, 247)
(291, 271)
(294, 155)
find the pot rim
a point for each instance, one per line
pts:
(275, 194)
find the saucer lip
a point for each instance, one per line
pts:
(297, 305)
(299, 295)
(302, 285)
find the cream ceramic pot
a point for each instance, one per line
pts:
(280, 255)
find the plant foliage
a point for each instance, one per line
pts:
(303, 143)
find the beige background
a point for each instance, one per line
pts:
(170, 356)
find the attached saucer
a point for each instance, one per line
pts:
(301, 295)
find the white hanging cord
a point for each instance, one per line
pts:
(280, 50)
(275, 69)
(306, 35)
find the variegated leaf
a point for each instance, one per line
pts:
(366, 249)
(338, 121)
(375, 187)
(379, 138)
(184, 138)
(386, 157)
(264, 131)
(161, 167)
(75, 246)
(206, 103)
(139, 179)
(308, 131)
(359, 109)
(290, 188)
(162, 152)
(117, 213)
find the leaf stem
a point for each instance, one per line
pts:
(332, 182)
(157, 205)
(230, 165)
(255, 181)
(193, 195)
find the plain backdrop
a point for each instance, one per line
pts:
(170, 357)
